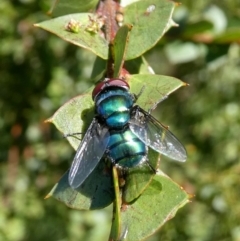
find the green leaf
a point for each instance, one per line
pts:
(74, 117)
(150, 20)
(95, 193)
(83, 38)
(152, 209)
(156, 88)
(63, 7)
(119, 48)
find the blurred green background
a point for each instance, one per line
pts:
(39, 73)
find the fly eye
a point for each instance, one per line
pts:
(118, 83)
(98, 88)
(109, 83)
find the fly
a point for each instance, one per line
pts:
(122, 131)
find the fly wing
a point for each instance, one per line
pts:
(155, 135)
(89, 153)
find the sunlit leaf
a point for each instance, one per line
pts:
(154, 88)
(159, 203)
(83, 38)
(150, 20)
(74, 117)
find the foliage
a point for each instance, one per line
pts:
(117, 44)
(39, 73)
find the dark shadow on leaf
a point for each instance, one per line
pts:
(134, 65)
(96, 191)
(87, 116)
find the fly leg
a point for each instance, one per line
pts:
(136, 96)
(73, 135)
